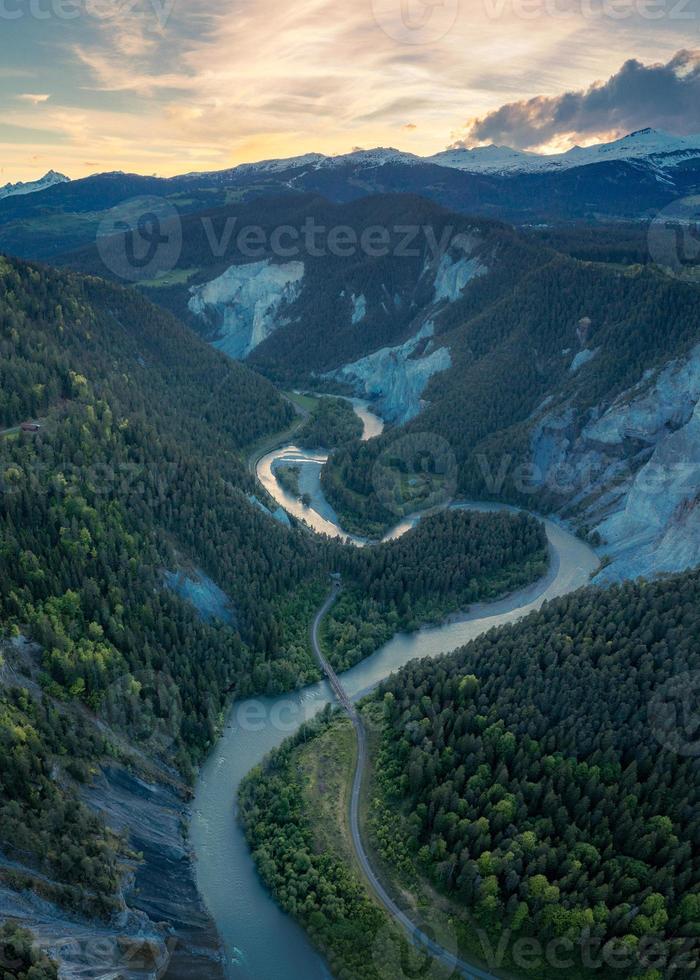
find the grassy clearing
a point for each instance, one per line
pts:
(306, 403)
(177, 277)
(327, 766)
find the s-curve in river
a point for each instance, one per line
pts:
(260, 941)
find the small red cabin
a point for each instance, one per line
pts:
(30, 426)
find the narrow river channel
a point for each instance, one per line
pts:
(260, 941)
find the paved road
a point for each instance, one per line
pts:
(418, 937)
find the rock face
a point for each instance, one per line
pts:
(163, 929)
(453, 274)
(153, 813)
(245, 304)
(359, 308)
(632, 470)
(396, 377)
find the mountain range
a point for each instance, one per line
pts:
(647, 145)
(630, 179)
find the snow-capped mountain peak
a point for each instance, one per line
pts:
(484, 159)
(32, 186)
(377, 157)
(279, 166)
(650, 145)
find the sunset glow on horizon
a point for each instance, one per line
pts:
(160, 86)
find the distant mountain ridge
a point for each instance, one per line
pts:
(33, 186)
(648, 145)
(631, 179)
(659, 148)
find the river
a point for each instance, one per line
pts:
(260, 941)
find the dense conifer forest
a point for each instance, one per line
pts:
(544, 779)
(138, 469)
(547, 777)
(332, 423)
(449, 561)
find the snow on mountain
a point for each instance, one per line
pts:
(32, 186)
(377, 157)
(649, 145)
(646, 144)
(485, 159)
(279, 166)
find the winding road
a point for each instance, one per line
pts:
(418, 938)
(253, 927)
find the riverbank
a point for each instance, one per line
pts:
(253, 928)
(259, 939)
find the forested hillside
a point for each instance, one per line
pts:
(451, 560)
(136, 470)
(535, 795)
(545, 778)
(332, 423)
(512, 358)
(369, 273)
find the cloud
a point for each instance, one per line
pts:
(213, 84)
(33, 98)
(663, 96)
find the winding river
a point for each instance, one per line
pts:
(260, 941)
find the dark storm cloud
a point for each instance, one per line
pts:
(662, 96)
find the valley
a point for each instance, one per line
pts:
(485, 435)
(227, 879)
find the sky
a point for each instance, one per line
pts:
(172, 86)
